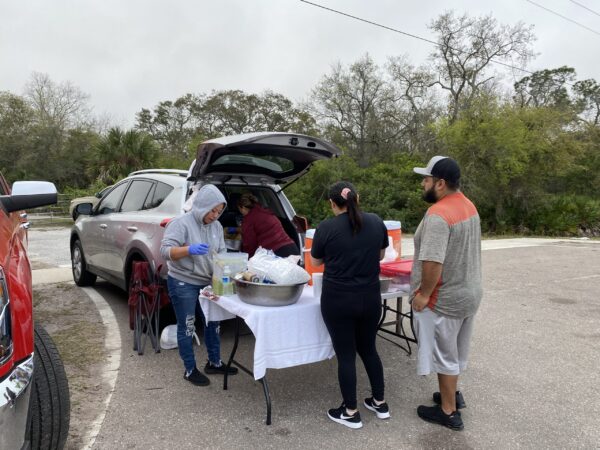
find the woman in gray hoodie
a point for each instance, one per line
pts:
(187, 246)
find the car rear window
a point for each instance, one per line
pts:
(276, 164)
(158, 194)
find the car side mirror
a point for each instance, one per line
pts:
(29, 194)
(84, 208)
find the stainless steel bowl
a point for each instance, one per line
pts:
(268, 294)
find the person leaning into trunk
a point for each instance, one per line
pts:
(445, 286)
(351, 244)
(187, 244)
(261, 228)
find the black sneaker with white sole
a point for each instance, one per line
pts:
(211, 369)
(196, 378)
(340, 415)
(435, 414)
(382, 411)
(460, 400)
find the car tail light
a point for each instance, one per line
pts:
(6, 345)
(164, 222)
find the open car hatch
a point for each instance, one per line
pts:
(271, 157)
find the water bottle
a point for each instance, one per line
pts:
(227, 283)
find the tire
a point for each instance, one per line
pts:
(50, 406)
(81, 276)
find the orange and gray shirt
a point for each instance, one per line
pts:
(450, 234)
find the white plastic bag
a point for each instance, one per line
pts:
(390, 253)
(271, 267)
(168, 337)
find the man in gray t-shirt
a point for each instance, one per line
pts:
(445, 286)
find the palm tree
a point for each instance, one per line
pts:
(119, 153)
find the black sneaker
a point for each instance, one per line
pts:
(211, 369)
(196, 378)
(434, 414)
(460, 401)
(382, 411)
(339, 415)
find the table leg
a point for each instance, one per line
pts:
(265, 385)
(232, 360)
(233, 350)
(399, 331)
(384, 309)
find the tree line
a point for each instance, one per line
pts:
(529, 150)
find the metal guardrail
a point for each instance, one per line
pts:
(52, 213)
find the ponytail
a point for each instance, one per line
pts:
(343, 194)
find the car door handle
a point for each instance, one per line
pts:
(103, 226)
(132, 228)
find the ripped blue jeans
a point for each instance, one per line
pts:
(184, 297)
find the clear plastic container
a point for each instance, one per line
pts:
(235, 262)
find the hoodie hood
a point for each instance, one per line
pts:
(208, 197)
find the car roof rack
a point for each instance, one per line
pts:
(181, 173)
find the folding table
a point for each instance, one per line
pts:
(286, 336)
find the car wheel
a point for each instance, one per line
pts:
(81, 276)
(49, 407)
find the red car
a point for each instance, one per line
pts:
(34, 393)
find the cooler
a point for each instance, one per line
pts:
(308, 266)
(394, 231)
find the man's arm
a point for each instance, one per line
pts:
(316, 261)
(430, 276)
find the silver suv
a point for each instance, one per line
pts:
(128, 223)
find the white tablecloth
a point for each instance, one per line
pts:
(286, 336)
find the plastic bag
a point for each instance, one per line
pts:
(168, 337)
(390, 252)
(270, 267)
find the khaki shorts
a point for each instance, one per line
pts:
(443, 342)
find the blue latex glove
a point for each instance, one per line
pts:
(198, 249)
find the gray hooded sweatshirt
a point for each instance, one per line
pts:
(190, 229)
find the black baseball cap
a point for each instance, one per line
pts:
(441, 167)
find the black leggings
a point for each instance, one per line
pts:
(351, 319)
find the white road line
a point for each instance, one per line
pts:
(585, 277)
(110, 370)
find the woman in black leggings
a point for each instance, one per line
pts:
(351, 244)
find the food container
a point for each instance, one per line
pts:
(235, 261)
(384, 283)
(233, 244)
(398, 271)
(268, 294)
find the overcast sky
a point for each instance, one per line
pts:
(130, 54)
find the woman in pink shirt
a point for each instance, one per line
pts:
(261, 228)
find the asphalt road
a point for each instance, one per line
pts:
(531, 382)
